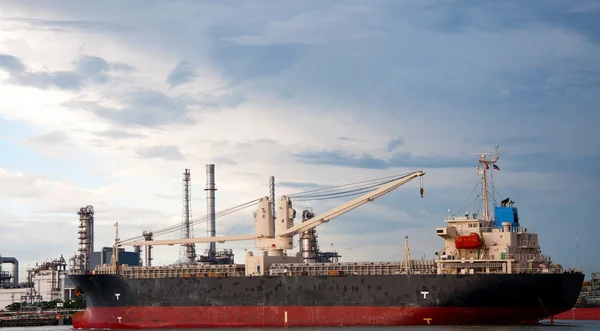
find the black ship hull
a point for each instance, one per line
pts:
(344, 300)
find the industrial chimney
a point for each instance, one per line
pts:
(210, 207)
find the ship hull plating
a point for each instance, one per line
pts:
(580, 313)
(291, 316)
(348, 300)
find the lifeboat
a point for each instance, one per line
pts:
(471, 241)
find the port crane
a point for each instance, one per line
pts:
(284, 223)
(275, 235)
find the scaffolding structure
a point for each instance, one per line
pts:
(148, 236)
(406, 256)
(52, 270)
(86, 238)
(187, 252)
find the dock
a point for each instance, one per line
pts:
(19, 319)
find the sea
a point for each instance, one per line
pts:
(543, 326)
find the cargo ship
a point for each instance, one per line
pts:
(587, 306)
(490, 271)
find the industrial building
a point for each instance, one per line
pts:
(46, 281)
(105, 257)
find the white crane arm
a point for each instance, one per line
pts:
(220, 239)
(340, 210)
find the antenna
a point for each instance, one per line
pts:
(482, 168)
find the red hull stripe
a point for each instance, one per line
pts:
(579, 314)
(281, 316)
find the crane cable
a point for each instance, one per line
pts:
(367, 186)
(345, 185)
(363, 187)
(196, 221)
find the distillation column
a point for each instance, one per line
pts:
(309, 247)
(148, 248)
(86, 237)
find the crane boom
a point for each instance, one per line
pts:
(340, 210)
(219, 239)
(276, 241)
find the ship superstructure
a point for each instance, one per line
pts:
(481, 243)
(490, 271)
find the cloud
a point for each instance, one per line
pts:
(511, 142)
(397, 160)
(301, 185)
(11, 64)
(93, 67)
(394, 144)
(340, 22)
(549, 162)
(165, 152)
(118, 134)
(182, 73)
(72, 25)
(140, 107)
(313, 93)
(240, 62)
(64, 80)
(43, 209)
(150, 108)
(87, 69)
(122, 67)
(224, 99)
(56, 138)
(225, 161)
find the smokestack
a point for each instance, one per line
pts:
(210, 207)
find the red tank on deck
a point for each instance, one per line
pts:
(472, 241)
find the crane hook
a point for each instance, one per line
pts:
(422, 189)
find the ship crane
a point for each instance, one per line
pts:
(276, 243)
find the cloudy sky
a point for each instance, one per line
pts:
(106, 103)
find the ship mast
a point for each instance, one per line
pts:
(482, 168)
(115, 251)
